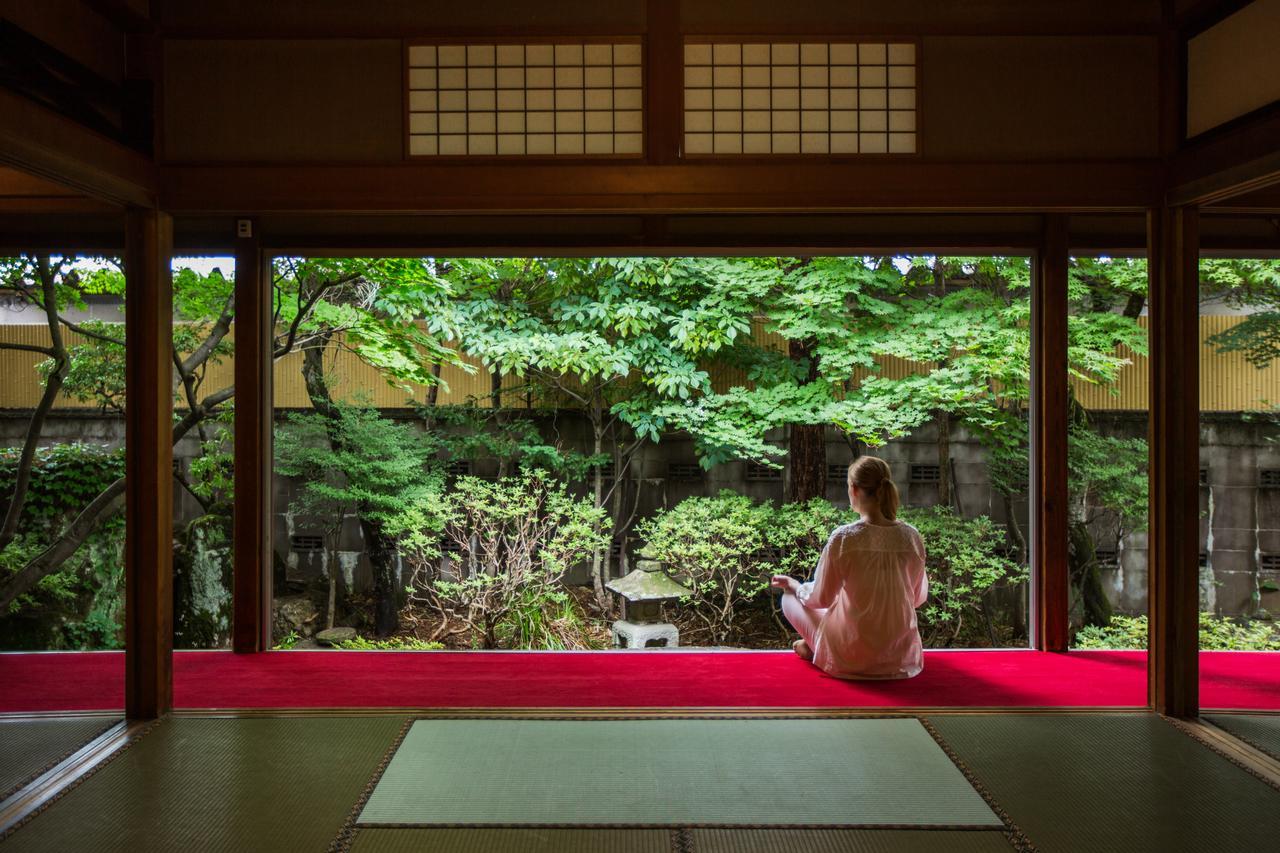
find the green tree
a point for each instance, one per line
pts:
(350, 460)
(613, 338)
(370, 308)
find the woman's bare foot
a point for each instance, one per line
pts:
(801, 648)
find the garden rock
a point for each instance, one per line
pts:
(296, 614)
(334, 636)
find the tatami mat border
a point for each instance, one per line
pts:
(1017, 838)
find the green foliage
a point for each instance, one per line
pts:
(64, 478)
(513, 541)
(357, 461)
(1254, 286)
(1107, 475)
(392, 644)
(966, 563)
(474, 432)
(725, 549)
(549, 619)
(81, 605)
(1216, 634)
(288, 641)
(372, 307)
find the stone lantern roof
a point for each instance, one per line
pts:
(642, 585)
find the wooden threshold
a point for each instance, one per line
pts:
(1239, 752)
(57, 780)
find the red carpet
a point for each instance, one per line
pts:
(89, 681)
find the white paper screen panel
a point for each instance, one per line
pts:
(799, 98)
(567, 98)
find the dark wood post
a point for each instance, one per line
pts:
(1050, 586)
(251, 623)
(148, 464)
(1174, 537)
(664, 83)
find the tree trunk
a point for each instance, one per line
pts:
(807, 451)
(386, 588)
(944, 459)
(597, 491)
(335, 566)
(433, 390)
(808, 456)
(1082, 560)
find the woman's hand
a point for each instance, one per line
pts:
(785, 583)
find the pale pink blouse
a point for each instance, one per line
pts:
(869, 582)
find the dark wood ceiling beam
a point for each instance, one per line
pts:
(873, 185)
(38, 141)
(1203, 14)
(1229, 161)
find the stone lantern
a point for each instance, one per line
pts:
(643, 592)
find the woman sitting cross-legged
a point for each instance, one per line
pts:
(857, 617)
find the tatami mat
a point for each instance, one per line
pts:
(1259, 730)
(218, 785)
(490, 840)
(29, 747)
(673, 772)
(1124, 783)
(846, 841)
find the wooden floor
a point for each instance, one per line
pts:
(276, 782)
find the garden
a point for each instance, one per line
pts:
(468, 452)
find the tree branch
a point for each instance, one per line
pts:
(105, 505)
(35, 426)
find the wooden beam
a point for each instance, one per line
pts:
(871, 184)
(1050, 589)
(41, 142)
(148, 465)
(1173, 538)
(1237, 158)
(252, 562)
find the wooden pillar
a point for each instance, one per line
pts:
(1173, 244)
(251, 622)
(148, 464)
(664, 86)
(1050, 587)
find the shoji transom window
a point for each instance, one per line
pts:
(797, 97)
(554, 98)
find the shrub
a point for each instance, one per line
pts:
(724, 549)
(512, 541)
(1216, 634)
(966, 563)
(716, 548)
